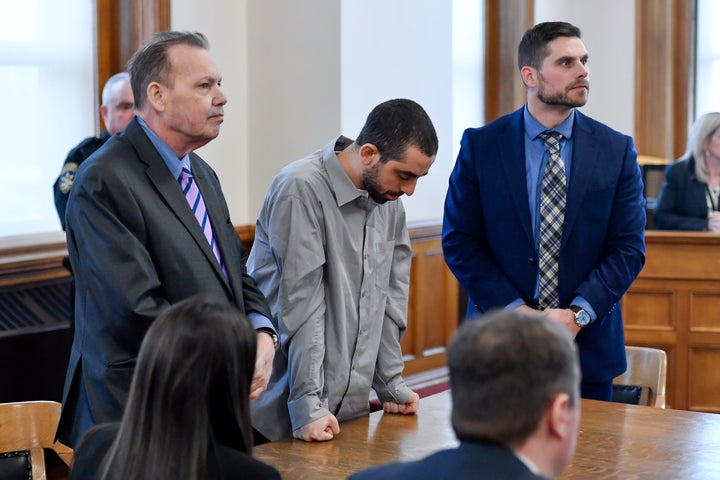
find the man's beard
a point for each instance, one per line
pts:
(562, 98)
(372, 185)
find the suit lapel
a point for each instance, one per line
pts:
(585, 162)
(512, 155)
(169, 189)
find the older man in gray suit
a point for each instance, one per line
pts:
(148, 226)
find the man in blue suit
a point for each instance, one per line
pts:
(496, 237)
(515, 403)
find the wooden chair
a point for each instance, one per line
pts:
(31, 426)
(647, 368)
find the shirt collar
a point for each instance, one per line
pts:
(528, 463)
(533, 128)
(341, 184)
(174, 163)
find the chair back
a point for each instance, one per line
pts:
(647, 368)
(31, 426)
(652, 169)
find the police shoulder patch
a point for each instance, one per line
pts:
(67, 176)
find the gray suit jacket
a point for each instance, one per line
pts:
(136, 248)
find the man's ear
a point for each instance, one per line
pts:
(156, 96)
(561, 414)
(103, 113)
(529, 76)
(369, 154)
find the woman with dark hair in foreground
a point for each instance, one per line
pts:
(188, 414)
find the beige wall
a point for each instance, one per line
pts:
(608, 32)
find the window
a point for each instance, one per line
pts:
(47, 65)
(707, 73)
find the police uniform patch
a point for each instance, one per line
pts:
(67, 176)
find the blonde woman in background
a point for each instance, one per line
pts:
(690, 196)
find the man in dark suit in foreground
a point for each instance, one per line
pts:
(545, 209)
(147, 227)
(514, 381)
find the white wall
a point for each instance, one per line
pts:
(225, 24)
(401, 49)
(281, 70)
(298, 73)
(294, 86)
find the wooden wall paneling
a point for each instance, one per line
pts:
(664, 64)
(107, 33)
(704, 378)
(139, 19)
(432, 309)
(122, 26)
(38, 263)
(650, 311)
(683, 28)
(247, 235)
(674, 304)
(703, 355)
(506, 21)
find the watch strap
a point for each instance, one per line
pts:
(273, 335)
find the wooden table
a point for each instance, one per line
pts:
(616, 441)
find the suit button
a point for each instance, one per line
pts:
(531, 261)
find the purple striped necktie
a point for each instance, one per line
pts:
(195, 200)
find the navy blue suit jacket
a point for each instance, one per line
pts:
(682, 204)
(470, 460)
(489, 245)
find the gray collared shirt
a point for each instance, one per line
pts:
(335, 268)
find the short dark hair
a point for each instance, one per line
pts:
(505, 369)
(533, 46)
(191, 383)
(151, 63)
(397, 124)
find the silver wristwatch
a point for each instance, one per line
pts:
(582, 318)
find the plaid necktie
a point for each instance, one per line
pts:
(553, 197)
(195, 200)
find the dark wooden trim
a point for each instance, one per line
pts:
(122, 26)
(505, 23)
(664, 64)
(246, 234)
(32, 264)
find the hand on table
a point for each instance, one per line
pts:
(407, 408)
(321, 430)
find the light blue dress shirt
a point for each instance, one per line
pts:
(175, 166)
(536, 157)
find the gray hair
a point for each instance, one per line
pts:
(152, 64)
(117, 78)
(701, 131)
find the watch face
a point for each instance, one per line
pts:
(582, 318)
